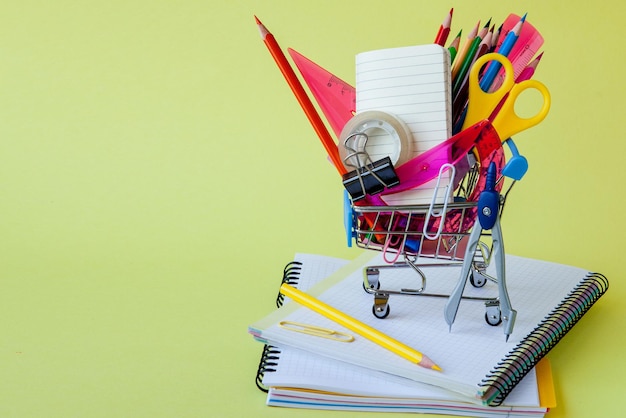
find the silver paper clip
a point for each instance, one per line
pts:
(441, 213)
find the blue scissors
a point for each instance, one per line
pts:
(499, 106)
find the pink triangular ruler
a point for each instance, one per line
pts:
(336, 98)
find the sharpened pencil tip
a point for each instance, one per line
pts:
(523, 19)
(429, 364)
(262, 29)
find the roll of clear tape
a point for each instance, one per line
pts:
(371, 135)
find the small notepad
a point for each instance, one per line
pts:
(413, 84)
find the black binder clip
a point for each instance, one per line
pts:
(369, 178)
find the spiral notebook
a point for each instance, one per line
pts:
(300, 379)
(478, 364)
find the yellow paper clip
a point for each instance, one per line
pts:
(317, 331)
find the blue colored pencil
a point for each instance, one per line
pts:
(505, 49)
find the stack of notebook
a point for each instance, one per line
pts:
(483, 375)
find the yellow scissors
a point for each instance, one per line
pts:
(482, 104)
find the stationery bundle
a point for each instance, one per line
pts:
(410, 100)
(419, 147)
(303, 368)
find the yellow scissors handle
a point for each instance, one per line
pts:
(482, 103)
(507, 123)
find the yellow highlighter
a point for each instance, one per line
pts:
(358, 327)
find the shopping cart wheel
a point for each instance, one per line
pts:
(370, 282)
(493, 316)
(372, 286)
(381, 312)
(477, 279)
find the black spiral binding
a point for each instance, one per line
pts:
(271, 354)
(291, 274)
(268, 363)
(526, 354)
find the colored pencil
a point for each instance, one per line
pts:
(460, 98)
(444, 29)
(486, 82)
(460, 56)
(301, 96)
(454, 46)
(494, 39)
(359, 327)
(485, 29)
(529, 70)
(470, 56)
(467, 62)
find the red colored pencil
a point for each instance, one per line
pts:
(444, 29)
(301, 96)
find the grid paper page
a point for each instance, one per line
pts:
(302, 369)
(466, 354)
(314, 268)
(412, 83)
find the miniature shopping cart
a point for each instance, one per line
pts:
(463, 232)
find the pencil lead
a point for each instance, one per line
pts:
(523, 19)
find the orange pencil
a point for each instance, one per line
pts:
(444, 29)
(460, 56)
(301, 96)
(460, 98)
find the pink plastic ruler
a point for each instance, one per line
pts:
(336, 98)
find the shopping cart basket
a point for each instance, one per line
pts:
(453, 233)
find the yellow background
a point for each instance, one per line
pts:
(156, 174)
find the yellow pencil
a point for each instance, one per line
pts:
(359, 327)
